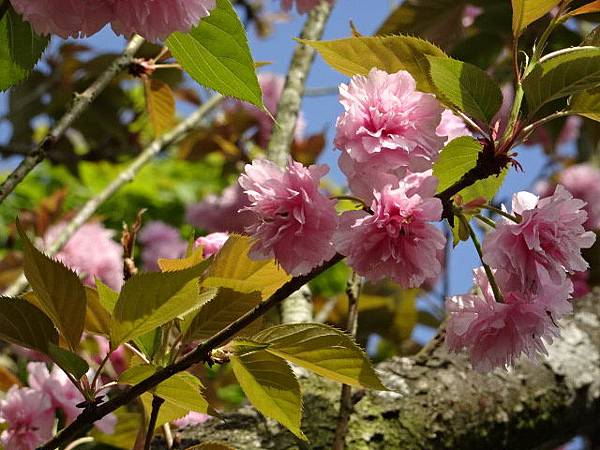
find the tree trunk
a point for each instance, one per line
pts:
(440, 402)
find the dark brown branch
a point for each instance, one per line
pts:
(157, 402)
(199, 355)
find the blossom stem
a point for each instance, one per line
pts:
(353, 289)
(532, 127)
(80, 105)
(488, 270)
(502, 213)
(99, 370)
(486, 220)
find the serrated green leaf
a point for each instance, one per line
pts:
(526, 12)
(97, 318)
(149, 300)
(182, 390)
(232, 268)
(272, 387)
(107, 296)
(560, 74)
(126, 430)
(456, 159)
(358, 55)
(160, 105)
(587, 104)
(173, 265)
(68, 361)
(59, 291)
(225, 308)
(243, 346)
(465, 87)
(216, 54)
(149, 343)
(168, 411)
(20, 49)
(322, 349)
(22, 323)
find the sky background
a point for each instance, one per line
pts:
(321, 112)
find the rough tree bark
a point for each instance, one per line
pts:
(440, 402)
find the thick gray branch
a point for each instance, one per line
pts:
(441, 403)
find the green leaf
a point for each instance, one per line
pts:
(216, 314)
(149, 300)
(526, 12)
(126, 430)
(173, 265)
(242, 346)
(465, 87)
(107, 296)
(234, 269)
(183, 389)
(456, 159)
(59, 292)
(97, 318)
(168, 411)
(322, 349)
(216, 54)
(587, 104)
(358, 55)
(272, 387)
(20, 49)
(561, 74)
(23, 324)
(68, 361)
(160, 105)
(149, 343)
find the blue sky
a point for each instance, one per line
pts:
(321, 112)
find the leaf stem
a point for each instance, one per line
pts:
(157, 402)
(488, 270)
(99, 370)
(502, 213)
(486, 220)
(526, 131)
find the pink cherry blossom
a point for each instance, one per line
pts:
(388, 123)
(581, 284)
(211, 243)
(192, 419)
(65, 18)
(451, 126)
(397, 240)
(546, 242)
(470, 13)
(225, 213)
(302, 6)
(294, 221)
(583, 181)
(91, 251)
(119, 359)
(63, 394)
(497, 334)
(160, 241)
(157, 19)
(29, 417)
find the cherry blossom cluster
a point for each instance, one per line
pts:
(30, 413)
(531, 256)
(153, 19)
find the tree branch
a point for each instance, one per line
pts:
(169, 138)
(80, 105)
(441, 403)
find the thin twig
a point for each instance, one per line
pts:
(84, 440)
(157, 402)
(346, 407)
(80, 105)
(167, 139)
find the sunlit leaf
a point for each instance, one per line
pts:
(106, 296)
(271, 386)
(97, 318)
(592, 7)
(587, 104)
(160, 105)
(234, 269)
(528, 11)
(59, 291)
(322, 349)
(216, 54)
(357, 56)
(23, 324)
(126, 430)
(173, 265)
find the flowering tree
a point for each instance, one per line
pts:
(112, 348)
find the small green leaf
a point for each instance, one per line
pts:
(219, 312)
(216, 54)
(526, 12)
(59, 291)
(97, 318)
(23, 324)
(234, 269)
(587, 104)
(149, 300)
(466, 87)
(20, 49)
(168, 411)
(107, 297)
(149, 343)
(561, 74)
(242, 346)
(358, 55)
(173, 265)
(322, 349)
(272, 387)
(69, 361)
(160, 105)
(126, 430)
